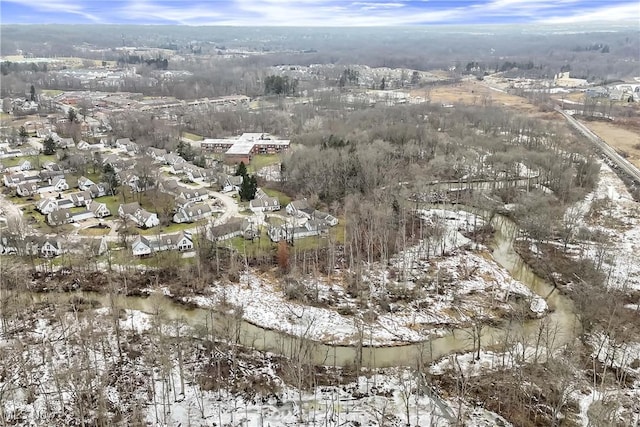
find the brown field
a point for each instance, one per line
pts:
(627, 142)
(473, 92)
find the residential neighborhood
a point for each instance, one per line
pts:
(124, 188)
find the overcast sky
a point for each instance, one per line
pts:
(316, 12)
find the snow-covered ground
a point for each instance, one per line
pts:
(419, 293)
(63, 367)
(610, 209)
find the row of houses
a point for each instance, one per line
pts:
(49, 247)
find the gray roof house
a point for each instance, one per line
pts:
(191, 213)
(137, 215)
(299, 208)
(264, 204)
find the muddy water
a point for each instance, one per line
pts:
(553, 330)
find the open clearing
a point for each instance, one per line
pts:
(623, 140)
(473, 92)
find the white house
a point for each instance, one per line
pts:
(84, 183)
(230, 183)
(98, 190)
(173, 159)
(13, 180)
(139, 216)
(59, 217)
(80, 198)
(92, 246)
(326, 217)
(66, 143)
(50, 248)
(141, 247)
(191, 213)
(56, 184)
(47, 205)
(289, 232)
(157, 154)
(122, 143)
(100, 210)
(264, 204)
(229, 230)
(299, 208)
(193, 194)
(25, 165)
(9, 244)
(26, 189)
(179, 241)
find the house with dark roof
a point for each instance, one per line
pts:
(26, 189)
(169, 186)
(181, 241)
(157, 154)
(193, 212)
(141, 246)
(80, 198)
(289, 232)
(50, 247)
(140, 217)
(173, 159)
(300, 208)
(84, 183)
(12, 180)
(264, 204)
(56, 184)
(100, 210)
(233, 228)
(47, 205)
(193, 194)
(99, 190)
(60, 217)
(326, 217)
(144, 246)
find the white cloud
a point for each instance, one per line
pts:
(186, 15)
(59, 6)
(318, 13)
(615, 13)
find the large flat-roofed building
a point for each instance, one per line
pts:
(242, 148)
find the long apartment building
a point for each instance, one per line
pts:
(242, 148)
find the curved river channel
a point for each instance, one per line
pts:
(556, 328)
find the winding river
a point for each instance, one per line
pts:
(556, 328)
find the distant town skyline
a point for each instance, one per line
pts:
(317, 13)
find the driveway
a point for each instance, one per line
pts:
(230, 207)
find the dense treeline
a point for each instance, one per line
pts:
(499, 49)
(377, 148)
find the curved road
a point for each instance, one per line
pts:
(230, 207)
(606, 149)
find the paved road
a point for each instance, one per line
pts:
(230, 207)
(606, 149)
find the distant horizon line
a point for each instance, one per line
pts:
(617, 23)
